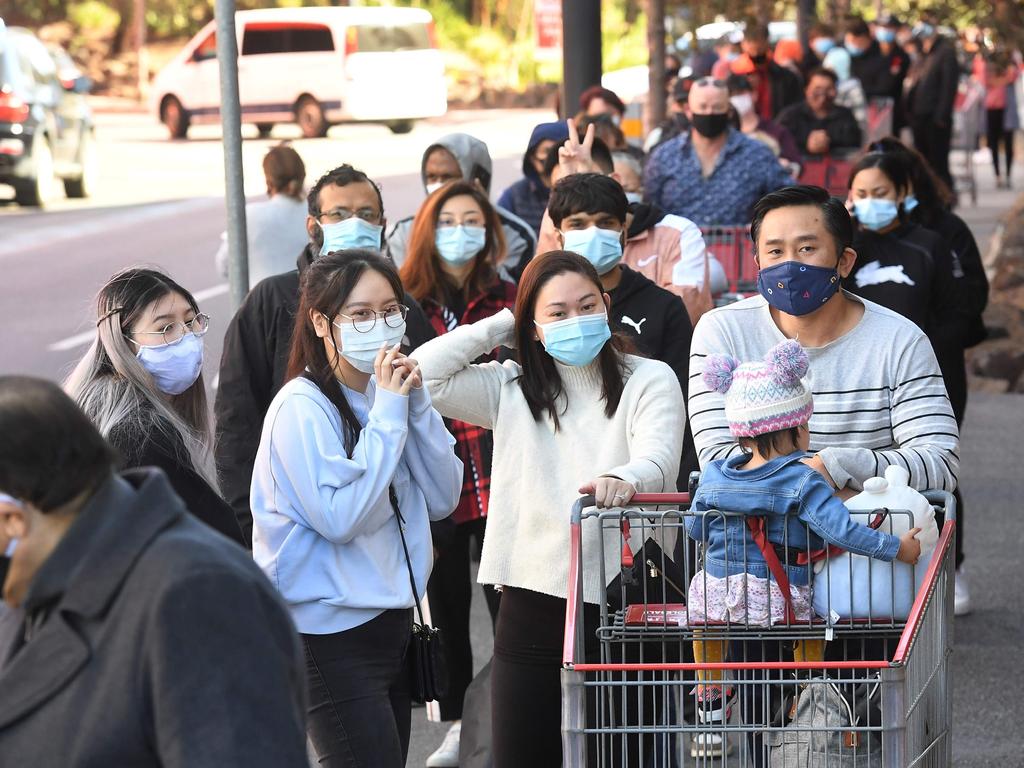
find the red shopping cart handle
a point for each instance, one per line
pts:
(660, 498)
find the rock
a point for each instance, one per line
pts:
(987, 386)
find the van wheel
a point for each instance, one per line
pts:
(310, 117)
(401, 126)
(264, 129)
(174, 116)
(86, 181)
(41, 188)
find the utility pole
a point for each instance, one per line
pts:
(231, 124)
(581, 51)
(655, 111)
(141, 60)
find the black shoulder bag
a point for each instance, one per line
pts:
(428, 670)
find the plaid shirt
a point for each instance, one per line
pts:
(473, 445)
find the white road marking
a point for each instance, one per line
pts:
(86, 337)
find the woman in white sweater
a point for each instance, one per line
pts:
(573, 414)
(352, 465)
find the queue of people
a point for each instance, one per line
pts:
(392, 403)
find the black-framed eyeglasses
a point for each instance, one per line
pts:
(711, 81)
(363, 320)
(172, 333)
(336, 215)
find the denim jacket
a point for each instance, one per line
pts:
(799, 507)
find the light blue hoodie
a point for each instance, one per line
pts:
(324, 531)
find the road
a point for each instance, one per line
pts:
(161, 203)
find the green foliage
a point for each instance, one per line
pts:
(93, 16)
(622, 44)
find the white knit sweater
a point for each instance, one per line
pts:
(537, 472)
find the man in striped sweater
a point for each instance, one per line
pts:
(879, 397)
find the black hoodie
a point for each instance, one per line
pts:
(657, 323)
(252, 370)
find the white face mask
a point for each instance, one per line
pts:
(432, 188)
(174, 367)
(743, 103)
(361, 349)
(634, 197)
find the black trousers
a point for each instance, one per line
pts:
(526, 693)
(450, 591)
(933, 141)
(996, 134)
(359, 707)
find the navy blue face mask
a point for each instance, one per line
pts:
(797, 289)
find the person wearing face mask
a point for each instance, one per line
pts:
(933, 84)
(878, 63)
(819, 125)
(455, 250)
(712, 174)
(596, 101)
(353, 465)
(345, 211)
(803, 240)
(461, 157)
(777, 86)
(528, 197)
(771, 134)
(141, 383)
(572, 414)
(849, 91)
(144, 638)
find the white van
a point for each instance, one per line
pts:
(314, 67)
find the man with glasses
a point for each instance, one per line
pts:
(345, 211)
(712, 174)
(819, 125)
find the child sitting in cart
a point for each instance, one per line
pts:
(751, 575)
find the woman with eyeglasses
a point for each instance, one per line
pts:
(141, 383)
(353, 464)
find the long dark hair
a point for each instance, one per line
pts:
(422, 273)
(326, 285)
(934, 197)
(540, 381)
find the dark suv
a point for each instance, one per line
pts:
(46, 126)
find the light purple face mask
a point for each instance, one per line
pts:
(13, 544)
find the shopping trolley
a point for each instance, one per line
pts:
(829, 171)
(968, 126)
(887, 676)
(732, 246)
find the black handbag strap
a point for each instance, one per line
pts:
(405, 548)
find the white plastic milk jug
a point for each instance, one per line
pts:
(854, 586)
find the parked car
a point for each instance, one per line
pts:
(46, 126)
(311, 66)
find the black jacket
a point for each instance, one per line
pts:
(936, 80)
(786, 88)
(149, 641)
(968, 271)
(880, 74)
(252, 370)
(910, 271)
(840, 124)
(164, 449)
(657, 323)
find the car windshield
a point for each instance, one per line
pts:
(400, 37)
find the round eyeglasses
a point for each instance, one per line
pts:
(172, 333)
(363, 320)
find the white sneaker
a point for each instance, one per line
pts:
(447, 755)
(961, 594)
(707, 743)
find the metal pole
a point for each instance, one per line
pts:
(656, 97)
(231, 124)
(581, 51)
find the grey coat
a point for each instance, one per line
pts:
(151, 640)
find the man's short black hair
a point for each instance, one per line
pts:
(822, 72)
(51, 452)
(857, 27)
(587, 193)
(837, 218)
(756, 32)
(599, 153)
(341, 176)
(738, 84)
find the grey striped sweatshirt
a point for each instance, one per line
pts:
(879, 398)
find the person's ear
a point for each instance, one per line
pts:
(846, 262)
(321, 324)
(561, 240)
(383, 232)
(607, 303)
(615, 175)
(312, 225)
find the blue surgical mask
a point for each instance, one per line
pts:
(910, 202)
(875, 212)
(353, 232)
(797, 289)
(885, 35)
(634, 197)
(459, 245)
(174, 367)
(823, 45)
(601, 247)
(854, 50)
(576, 340)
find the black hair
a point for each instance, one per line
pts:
(779, 441)
(934, 197)
(821, 30)
(822, 72)
(599, 153)
(757, 32)
(889, 164)
(51, 452)
(587, 193)
(341, 176)
(858, 27)
(837, 218)
(738, 84)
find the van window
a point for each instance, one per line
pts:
(207, 49)
(400, 37)
(286, 38)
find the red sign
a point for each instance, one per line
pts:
(547, 19)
